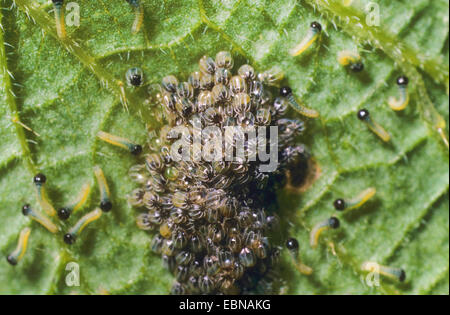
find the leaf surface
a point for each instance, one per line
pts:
(66, 91)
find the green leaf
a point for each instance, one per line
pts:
(66, 91)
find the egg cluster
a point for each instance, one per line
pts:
(214, 218)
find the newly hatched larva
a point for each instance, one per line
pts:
(352, 59)
(134, 148)
(65, 212)
(135, 77)
(71, 236)
(59, 18)
(390, 272)
(311, 36)
(330, 223)
(105, 195)
(41, 194)
(39, 217)
(292, 246)
(272, 77)
(139, 15)
(400, 103)
(305, 111)
(21, 248)
(364, 116)
(356, 202)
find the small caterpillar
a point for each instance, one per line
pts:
(21, 248)
(351, 59)
(305, 111)
(71, 236)
(41, 195)
(59, 18)
(65, 212)
(398, 104)
(356, 202)
(134, 148)
(364, 116)
(293, 247)
(105, 194)
(330, 223)
(311, 36)
(39, 217)
(390, 272)
(139, 15)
